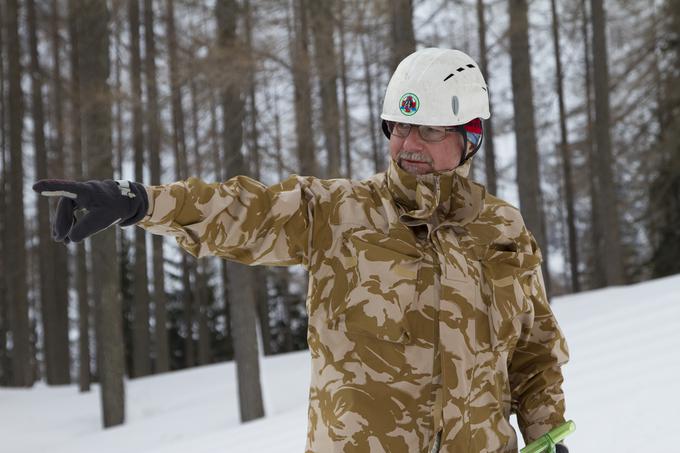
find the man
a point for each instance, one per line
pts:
(428, 320)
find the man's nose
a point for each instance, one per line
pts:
(413, 140)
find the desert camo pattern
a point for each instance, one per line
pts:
(427, 310)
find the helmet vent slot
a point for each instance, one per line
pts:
(461, 69)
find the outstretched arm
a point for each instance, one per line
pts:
(240, 219)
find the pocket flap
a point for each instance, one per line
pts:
(381, 247)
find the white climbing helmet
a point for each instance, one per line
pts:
(436, 87)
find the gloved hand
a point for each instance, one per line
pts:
(561, 448)
(107, 202)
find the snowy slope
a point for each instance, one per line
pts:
(622, 387)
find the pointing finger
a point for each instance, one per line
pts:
(58, 188)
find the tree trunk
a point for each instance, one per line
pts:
(528, 175)
(154, 145)
(55, 334)
(203, 313)
(401, 27)
(241, 293)
(181, 172)
(489, 148)
(606, 193)
(302, 89)
(120, 148)
(281, 285)
(528, 179)
(322, 18)
(96, 110)
(260, 273)
(248, 17)
(201, 285)
(178, 136)
(222, 264)
(596, 256)
(59, 254)
(16, 252)
(5, 363)
(141, 338)
(378, 161)
(81, 270)
(665, 189)
(566, 158)
(346, 122)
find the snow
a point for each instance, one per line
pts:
(621, 385)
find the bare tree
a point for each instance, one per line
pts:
(322, 19)
(5, 363)
(141, 351)
(240, 288)
(181, 171)
(608, 213)
(260, 273)
(664, 193)
(303, 103)
(220, 172)
(57, 163)
(201, 285)
(159, 298)
(81, 281)
(54, 323)
(489, 148)
(403, 40)
(346, 119)
(566, 158)
(96, 111)
(528, 179)
(376, 154)
(22, 360)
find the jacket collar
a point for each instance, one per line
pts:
(448, 194)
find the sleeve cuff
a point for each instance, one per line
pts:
(150, 197)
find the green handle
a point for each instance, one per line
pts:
(546, 443)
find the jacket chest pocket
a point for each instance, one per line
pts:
(505, 289)
(381, 279)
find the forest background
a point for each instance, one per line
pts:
(156, 91)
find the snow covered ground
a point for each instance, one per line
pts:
(622, 387)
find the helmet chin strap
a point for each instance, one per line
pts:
(464, 155)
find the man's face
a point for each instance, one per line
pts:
(418, 157)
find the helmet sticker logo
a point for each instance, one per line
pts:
(455, 104)
(409, 104)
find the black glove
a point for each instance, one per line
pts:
(561, 448)
(107, 202)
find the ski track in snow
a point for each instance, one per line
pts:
(622, 389)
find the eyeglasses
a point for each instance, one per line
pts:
(427, 133)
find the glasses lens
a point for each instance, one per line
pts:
(401, 129)
(432, 134)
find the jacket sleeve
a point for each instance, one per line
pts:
(535, 367)
(240, 219)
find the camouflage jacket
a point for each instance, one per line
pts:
(427, 311)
